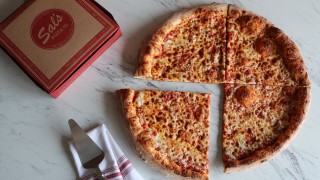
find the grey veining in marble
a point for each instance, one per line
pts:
(33, 126)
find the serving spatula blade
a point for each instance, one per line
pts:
(89, 152)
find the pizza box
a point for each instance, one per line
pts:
(54, 41)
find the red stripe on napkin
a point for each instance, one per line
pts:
(124, 165)
(113, 175)
(110, 169)
(121, 159)
(127, 171)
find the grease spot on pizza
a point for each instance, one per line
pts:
(265, 47)
(251, 25)
(246, 95)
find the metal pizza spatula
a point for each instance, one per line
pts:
(89, 153)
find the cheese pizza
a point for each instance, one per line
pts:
(169, 129)
(260, 53)
(259, 121)
(267, 90)
(189, 47)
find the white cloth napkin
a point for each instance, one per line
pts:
(115, 164)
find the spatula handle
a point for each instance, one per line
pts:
(100, 174)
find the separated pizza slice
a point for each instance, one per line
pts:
(260, 121)
(169, 130)
(260, 53)
(189, 47)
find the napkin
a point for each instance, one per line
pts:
(115, 164)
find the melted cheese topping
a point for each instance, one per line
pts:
(194, 50)
(252, 57)
(251, 127)
(179, 125)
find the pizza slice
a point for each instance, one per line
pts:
(169, 130)
(259, 53)
(189, 47)
(260, 121)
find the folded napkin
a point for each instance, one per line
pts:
(115, 164)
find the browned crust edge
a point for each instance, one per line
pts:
(288, 49)
(261, 156)
(291, 55)
(133, 130)
(150, 48)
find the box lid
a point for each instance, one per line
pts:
(50, 39)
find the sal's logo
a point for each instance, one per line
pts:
(52, 29)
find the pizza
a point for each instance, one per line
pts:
(260, 121)
(267, 89)
(189, 47)
(220, 43)
(169, 129)
(260, 53)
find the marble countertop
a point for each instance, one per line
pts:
(33, 126)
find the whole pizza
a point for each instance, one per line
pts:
(266, 91)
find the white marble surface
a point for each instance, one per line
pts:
(33, 126)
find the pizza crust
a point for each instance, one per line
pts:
(152, 47)
(290, 54)
(283, 141)
(142, 142)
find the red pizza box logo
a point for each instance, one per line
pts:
(52, 29)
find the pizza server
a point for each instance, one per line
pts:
(89, 153)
